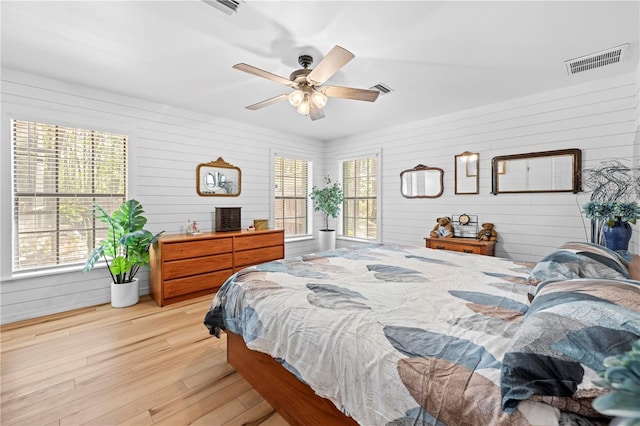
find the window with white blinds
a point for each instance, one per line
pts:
(360, 208)
(58, 174)
(292, 196)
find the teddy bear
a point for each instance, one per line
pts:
(443, 228)
(487, 233)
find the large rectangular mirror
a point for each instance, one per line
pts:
(466, 173)
(545, 171)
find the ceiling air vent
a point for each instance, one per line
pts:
(596, 60)
(382, 88)
(227, 6)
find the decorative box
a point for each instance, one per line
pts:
(228, 219)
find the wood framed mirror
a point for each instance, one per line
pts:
(218, 179)
(422, 182)
(545, 171)
(467, 173)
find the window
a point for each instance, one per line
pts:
(58, 174)
(292, 196)
(360, 209)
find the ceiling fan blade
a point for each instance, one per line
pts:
(264, 74)
(351, 93)
(329, 65)
(268, 102)
(315, 113)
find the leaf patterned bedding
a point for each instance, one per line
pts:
(394, 335)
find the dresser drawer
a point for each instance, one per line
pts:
(458, 247)
(199, 265)
(255, 256)
(247, 242)
(180, 286)
(191, 249)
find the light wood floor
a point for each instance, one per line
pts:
(142, 365)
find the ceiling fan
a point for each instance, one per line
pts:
(309, 96)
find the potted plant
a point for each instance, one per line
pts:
(328, 201)
(622, 378)
(125, 250)
(611, 207)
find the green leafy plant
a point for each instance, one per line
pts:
(622, 376)
(126, 248)
(327, 200)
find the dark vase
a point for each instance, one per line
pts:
(617, 237)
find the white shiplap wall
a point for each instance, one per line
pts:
(166, 146)
(599, 118)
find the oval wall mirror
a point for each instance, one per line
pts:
(422, 182)
(545, 171)
(466, 173)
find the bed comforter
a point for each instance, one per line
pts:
(390, 334)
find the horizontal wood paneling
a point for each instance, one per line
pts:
(599, 118)
(166, 146)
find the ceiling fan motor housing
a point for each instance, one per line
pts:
(305, 60)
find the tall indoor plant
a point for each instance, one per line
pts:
(125, 250)
(612, 206)
(328, 201)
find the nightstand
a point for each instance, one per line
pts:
(465, 245)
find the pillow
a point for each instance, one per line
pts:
(580, 260)
(567, 332)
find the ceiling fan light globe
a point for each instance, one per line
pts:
(319, 99)
(303, 108)
(296, 97)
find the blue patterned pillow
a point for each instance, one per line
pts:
(580, 260)
(568, 330)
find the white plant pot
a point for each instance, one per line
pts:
(327, 240)
(127, 294)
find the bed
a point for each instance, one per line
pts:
(400, 335)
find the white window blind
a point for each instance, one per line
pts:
(360, 208)
(292, 196)
(58, 174)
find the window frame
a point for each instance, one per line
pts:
(7, 201)
(309, 213)
(378, 156)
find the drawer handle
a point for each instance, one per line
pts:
(440, 247)
(467, 251)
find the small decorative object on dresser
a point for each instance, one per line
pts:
(228, 219)
(261, 223)
(192, 228)
(487, 233)
(443, 228)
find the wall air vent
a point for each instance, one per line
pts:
(227, 6)
(382, 88)
(596, 60)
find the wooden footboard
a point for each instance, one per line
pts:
(296, 402)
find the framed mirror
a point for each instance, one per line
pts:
(545, 171)
(422, 182)
(466, 173)
(218, 179)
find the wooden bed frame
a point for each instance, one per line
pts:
(296, 402)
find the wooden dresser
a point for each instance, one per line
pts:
(466, 245)
(186, 266)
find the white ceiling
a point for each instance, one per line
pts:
(438, 56)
